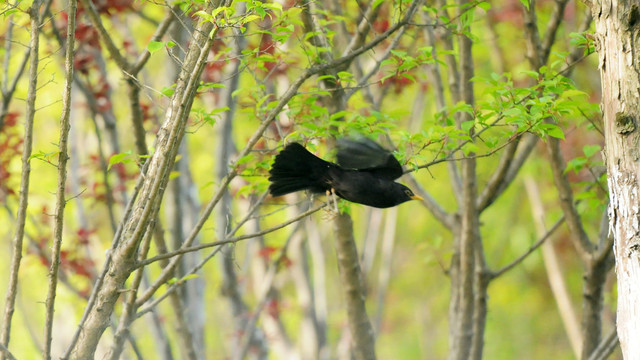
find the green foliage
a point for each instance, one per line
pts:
(209, 117)
(154, 46)
(395, 106)
(126, 157)
(121, 158)
(47, 157)
(583, 40)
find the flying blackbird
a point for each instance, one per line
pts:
(364, 174)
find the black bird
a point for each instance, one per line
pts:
(364, 174)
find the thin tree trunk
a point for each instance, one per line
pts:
(16, 259)
(61, 200)
(363, 338)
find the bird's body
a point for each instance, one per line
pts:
(364, 174)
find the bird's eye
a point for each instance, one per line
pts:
(408, 192)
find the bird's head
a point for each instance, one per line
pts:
(405, 194)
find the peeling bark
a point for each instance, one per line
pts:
(617, 42)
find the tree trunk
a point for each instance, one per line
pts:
(617, 41)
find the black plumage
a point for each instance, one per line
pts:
(364, 174)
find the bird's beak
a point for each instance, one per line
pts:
(416, 197)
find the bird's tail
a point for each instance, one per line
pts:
(296, 169)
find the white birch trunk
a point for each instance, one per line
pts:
(618, 43)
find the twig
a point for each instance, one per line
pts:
(129, 308)
(6, 352)
(162, 28)
(606, 346)
(498, 177)
(106, 38)
(579, 236)
(552, 28)
(230, 240)
(264, 296)
(533, 248)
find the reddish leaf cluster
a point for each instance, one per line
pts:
(96, 187)
(88, 49)
(272, 308)
(213, 70)
(398, 83)
(10, 148)
(110, 7)
(73, 261)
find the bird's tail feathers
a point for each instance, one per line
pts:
(295, 169)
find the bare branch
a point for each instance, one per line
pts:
(129, 309)
(579, 236)
(366, 22)
(230, 240)
(430, 203)
(534, 51)
(162, 29)
(606, 346)
(533, 248)
(496, 181)
(6, 352)
(106, 38)
(552, 28)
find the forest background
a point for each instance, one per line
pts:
(155, 237)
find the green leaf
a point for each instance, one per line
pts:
(590, 150)
(573, 92)
(41, 155)
(555, 132)
(467, 125)
(525, 3)
(218, 10)
(204, 15)
(575, 165)
(9, 12)
(250, 18)
(273, 6)
(168, 91)
(154, 46)
(338, 115)
(121, 158)
(484, 5)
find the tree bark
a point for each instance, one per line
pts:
(617, 42)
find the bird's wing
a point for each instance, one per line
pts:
(366, 155)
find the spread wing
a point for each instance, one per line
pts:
(366, 155)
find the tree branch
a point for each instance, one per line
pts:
(230, 240)
(120, 60)
(533, 248)
(579, 236)
(606, 346)
(552, 28)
